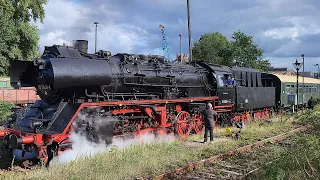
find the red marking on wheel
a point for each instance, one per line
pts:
(237, 118)
(257, 116)
(178, 108)
(183, 126)
(198, 123)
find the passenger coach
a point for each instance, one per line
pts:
(286, 87)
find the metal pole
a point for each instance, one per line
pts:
(317, 78)
(302, 92)
(189, 30)
(318, 71)
(95, 42)
(180, 48)
(297, 90)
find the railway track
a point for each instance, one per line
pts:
(241, 163)
(238, 166)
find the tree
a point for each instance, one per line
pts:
(214, 48)
(247, 54)
(18, 38)
(240, 51)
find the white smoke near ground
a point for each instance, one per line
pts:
(81, 146)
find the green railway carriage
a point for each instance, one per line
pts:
(5, 83)
(286, 87)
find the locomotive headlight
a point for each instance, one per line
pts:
(35, 124)
(108, 53)
(11, 119)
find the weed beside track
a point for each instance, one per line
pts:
(240, 165)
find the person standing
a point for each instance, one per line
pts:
(311, 103)
(208, 117)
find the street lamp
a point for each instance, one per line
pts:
(318, 70)
(317, 78)
(297, 66)
(95, 42)
(180, 48)
(302, 55)
(189, 30)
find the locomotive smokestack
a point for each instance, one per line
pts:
(81, 45)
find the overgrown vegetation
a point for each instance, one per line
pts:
(154, 158)
(5, 110)
(302, 161)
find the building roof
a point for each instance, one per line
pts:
(278, 69)
(293, 79)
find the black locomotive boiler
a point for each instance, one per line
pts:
(73, 75)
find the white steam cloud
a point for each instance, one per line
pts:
(83, 147)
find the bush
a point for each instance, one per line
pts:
(5, 110)
(308, 116)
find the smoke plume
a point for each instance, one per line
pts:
(82, 146)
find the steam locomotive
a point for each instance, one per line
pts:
(122, 95)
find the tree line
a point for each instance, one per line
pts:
(240, 51)
(19, 40)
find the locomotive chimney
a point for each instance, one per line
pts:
(81, 45)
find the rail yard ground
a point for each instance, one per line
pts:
(296, 158)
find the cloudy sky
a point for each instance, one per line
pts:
(284, 29)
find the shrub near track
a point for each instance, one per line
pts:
(5, 110)
(302, 161)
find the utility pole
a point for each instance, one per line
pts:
(302, 92)
(95, 42)
(180, 48)
(318, 70)
(189, 30)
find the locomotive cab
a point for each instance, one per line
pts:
(219, 76)
(225, 91)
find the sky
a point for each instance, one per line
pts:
(284, 29)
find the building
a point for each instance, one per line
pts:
(285, 71)
(309, 74)
(282, 71)
(185, 58)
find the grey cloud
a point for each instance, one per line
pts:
(307, 44)
(310, 39)
(226, 16)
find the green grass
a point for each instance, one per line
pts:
(154, 158)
